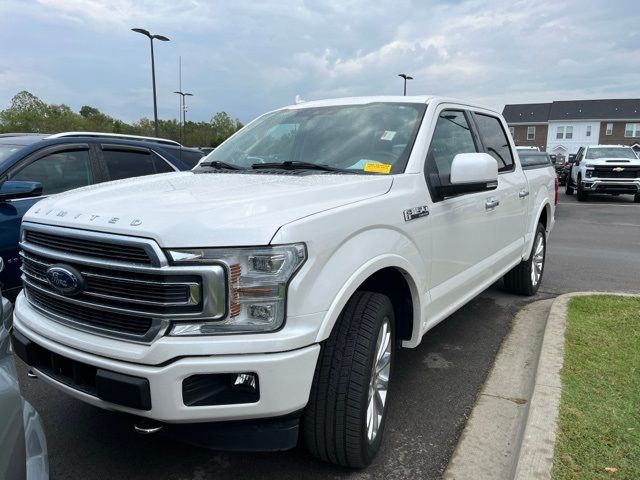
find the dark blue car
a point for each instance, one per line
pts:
(35, 166)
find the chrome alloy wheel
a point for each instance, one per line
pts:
(379, 383)
(538, 260)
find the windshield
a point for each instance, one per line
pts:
(374, 138)
(610, 152)
(528, 159)
(6, 150)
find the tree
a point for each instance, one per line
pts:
(223, 127)
(27, 113)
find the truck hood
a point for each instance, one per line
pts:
(612, 162)
(204, 209)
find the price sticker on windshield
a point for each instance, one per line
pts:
(375, 167)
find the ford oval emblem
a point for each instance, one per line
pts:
(65, 279)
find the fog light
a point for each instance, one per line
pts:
(245, 382)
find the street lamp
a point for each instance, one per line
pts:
(183, 108)
(406, 77)
(153, 71)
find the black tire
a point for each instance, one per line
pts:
(519, 279)
(581, 195)
(334, 423)
(636, 198)
(569, 189)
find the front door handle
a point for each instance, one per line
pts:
(491, 203)
(523, 193)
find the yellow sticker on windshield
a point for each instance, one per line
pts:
(376, 167)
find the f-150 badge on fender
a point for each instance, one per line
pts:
(416, 212)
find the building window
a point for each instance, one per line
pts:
(632, 130)
(588, 130)
(560, 133)
(531, 133)
(609, 130)
(568, 134)
(512, 131)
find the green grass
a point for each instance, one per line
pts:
(599, 420)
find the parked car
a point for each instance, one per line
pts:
(35, 166)
(272, 285)
(611, 169)
(23, 447)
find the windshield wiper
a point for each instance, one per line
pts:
(297, 165)
(221, 165)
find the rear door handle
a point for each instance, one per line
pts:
(491, 203)
(523, 193)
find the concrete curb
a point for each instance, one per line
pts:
(535, 459)
(511, 430)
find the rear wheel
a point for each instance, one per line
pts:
(525, 278)
(636, 198)
(345, 417)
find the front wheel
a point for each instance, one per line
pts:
(569, 189)
(345, 417)
(581, 194)
(525, 278)
(636, 198)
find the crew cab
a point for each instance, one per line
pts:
(33, 166)
(270, 287)
(612, 169)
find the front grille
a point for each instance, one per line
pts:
(90, 316)
(93, 248)
(125, 300)
(608, 172)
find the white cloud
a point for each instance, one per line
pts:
(250, 56)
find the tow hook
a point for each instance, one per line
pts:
(147, 427)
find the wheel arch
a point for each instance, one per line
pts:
(390, 275)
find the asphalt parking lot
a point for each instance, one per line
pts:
(595, 246)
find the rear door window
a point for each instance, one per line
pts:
(123, 163)
(59, 171)
(495, 141)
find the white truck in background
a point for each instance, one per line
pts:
(270, 287)
(610, 169)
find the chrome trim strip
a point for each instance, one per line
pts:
(188, 303)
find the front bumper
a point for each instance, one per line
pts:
(611, 185)
(156, 392)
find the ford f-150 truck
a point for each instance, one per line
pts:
(613, 169)
(268, 290)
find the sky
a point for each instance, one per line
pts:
(249, 57)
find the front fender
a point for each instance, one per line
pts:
(331, 278)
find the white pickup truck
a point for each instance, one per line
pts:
(267, 290)
(612, 169)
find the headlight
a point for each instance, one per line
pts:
(257, 280)
(589, 172)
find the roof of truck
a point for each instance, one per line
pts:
(387, 99)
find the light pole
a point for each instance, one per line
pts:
(162, 38)
(406, 77)
(183, 108)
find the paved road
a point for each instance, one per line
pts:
(595, 246)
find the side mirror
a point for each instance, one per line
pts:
(12, 190)
(471, 172)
